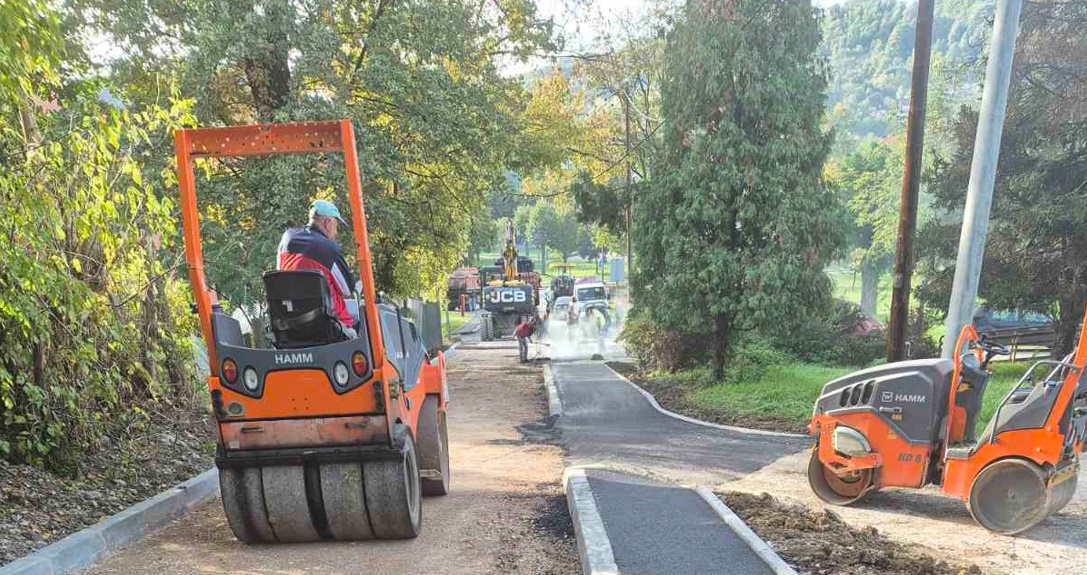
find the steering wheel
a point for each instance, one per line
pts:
(991, 348)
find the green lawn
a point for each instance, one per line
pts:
(455, 322)
(780, 397)
(847, 286)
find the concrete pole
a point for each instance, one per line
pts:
(979, 195)
(911, 183)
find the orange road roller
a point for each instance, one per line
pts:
(910, 424)
(332, 433)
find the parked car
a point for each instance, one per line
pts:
(562, 305)
(988, 319)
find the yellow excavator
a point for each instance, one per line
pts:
(509, 298)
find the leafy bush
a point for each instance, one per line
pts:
(829, 338)
(658, 348)
(94, 320)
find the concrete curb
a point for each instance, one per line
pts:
(448, 353)
(760, 547)
(593, 545)
(83, 548)
(657, 406)
(554, 404)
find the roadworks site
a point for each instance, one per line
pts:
(893, 532)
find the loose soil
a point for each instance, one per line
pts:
(675, 398)
(38, 507)
(505, 512)
(941, 527)
(819, 542)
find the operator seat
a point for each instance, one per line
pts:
(300, 309)
(976, 378)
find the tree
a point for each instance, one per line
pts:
(734, 228)
(868, 181)
(1036, 250)
(437, 124)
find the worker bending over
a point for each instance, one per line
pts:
(523, 332)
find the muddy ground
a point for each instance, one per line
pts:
(927, 522)
(38, 507)
(821, 543)
(505, 512)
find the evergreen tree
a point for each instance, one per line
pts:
(733, 231)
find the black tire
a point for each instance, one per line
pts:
(393, 494)
(433, 448)
(1009, 496)
(243, 503)
(286, 503)
(487, 327)
(833, 489)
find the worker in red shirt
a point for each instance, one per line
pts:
(523, 332)
(314, 247)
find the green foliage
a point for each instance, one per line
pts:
(828, 338)
(869, 44)
(1036, 250)
(656, 347)
(733, 231)
(761, 388)
(94, 320)
(29, 47)
(437, 124)
(545, 226)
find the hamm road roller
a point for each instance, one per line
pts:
(324, 436)
(910, 424)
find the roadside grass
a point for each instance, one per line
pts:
(453, 321)
(847, 286)
(776, 396)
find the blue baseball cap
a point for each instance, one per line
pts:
(326, 209)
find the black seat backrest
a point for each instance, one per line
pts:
(300, 309)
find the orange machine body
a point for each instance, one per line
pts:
(899, 461)
(299, 407)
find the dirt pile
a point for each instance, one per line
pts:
(38, 508)
(819, 542)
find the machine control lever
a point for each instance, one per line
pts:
(893, 410)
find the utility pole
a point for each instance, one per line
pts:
(911, 184)
(979, 194)
(630, 176)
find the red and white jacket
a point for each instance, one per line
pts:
(309, 249)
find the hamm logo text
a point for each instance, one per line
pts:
(293, 358)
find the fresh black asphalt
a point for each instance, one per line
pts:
(606, 421)
(655, 527)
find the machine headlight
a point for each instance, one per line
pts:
(250, 379)
(340, 373)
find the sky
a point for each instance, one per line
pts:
(582, 21)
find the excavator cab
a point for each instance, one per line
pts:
(324, 436)
(909, 424)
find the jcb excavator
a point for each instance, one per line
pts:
(912, 423)
(325, 436)
(506, 300)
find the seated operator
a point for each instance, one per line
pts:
(314, 247)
